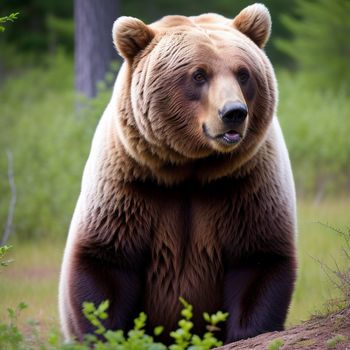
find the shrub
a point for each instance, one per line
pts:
(103, 339)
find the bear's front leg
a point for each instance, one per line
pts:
(257, 294)
(95, 279)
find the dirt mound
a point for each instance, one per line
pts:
(327, 332)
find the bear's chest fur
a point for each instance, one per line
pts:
(184, 237)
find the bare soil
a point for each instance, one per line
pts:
(322, 332)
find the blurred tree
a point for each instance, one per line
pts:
(11, 211)
(94, 49)
(320, 44)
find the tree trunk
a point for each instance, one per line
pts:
(12, 205)
(94, 48)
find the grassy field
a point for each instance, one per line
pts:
(33, 276)
(318, 245)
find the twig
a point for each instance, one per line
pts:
(11, 211)
(340, 278)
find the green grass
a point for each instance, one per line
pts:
(33, 276)
(334, 341)
(318, 243)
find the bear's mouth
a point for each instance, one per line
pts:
(230, 137)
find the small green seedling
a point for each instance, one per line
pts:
(3, 251)
(10, 18)
(275, 344)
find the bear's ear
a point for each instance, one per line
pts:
(255, 22)
(130, 35)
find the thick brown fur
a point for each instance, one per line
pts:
(167, 208)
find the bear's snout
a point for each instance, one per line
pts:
(233, 113)
(228, 128)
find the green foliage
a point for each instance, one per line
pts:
(10, 18)
(102, 339)
(50, 142)
(275, 344)
(32, 32)
(184, 339)
(316, 126)
(334, 341)
(60, 32)
(320, 44)
(10, 336)
(94, 316)
(135, 338)
(3, 250)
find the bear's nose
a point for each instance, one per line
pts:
(233, 112)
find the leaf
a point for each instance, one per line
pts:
(11, 313)
(103, 306)
(158, 330)
(21, 306)
(206, 317)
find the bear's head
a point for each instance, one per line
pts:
(195, 88)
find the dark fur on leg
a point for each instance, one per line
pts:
(95, 280)
(257, 295)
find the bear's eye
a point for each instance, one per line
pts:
(199, 77)
(243, 76)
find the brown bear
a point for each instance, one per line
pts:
(188, 190)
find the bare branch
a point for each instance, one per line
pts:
(11, 211)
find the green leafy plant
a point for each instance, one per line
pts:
(106, 339)
(10, 18)
(183, 337)
(11, 338)
(138, 339)
(3, 251)
(10, 335)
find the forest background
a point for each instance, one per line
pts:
(48, 116)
